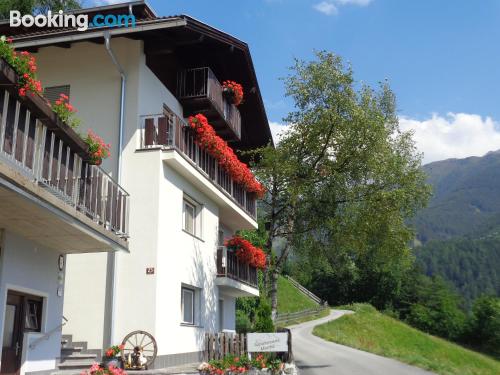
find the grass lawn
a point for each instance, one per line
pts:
(374, 332)
(290, 299)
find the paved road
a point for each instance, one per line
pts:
(315, 356)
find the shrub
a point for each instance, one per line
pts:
(483, 326)
(243, 323)
(263, 317)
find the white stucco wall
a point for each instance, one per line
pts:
(29, 268)
(145, 302)
(95, 91)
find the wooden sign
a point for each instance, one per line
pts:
(267, 342)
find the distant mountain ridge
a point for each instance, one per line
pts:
(460, 228)
(466, 197)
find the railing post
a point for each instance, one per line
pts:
(77, 170)
(40, 139)
(224, 260)
(4, 118)
(14, 131)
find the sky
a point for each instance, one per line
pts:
(441, 58)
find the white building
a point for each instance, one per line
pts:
(48, 209)
(176, 282)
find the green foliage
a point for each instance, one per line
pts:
(36, 6)
(263, 319)
(435, 308)
(243, 323)
(372, 331)
(483, 326)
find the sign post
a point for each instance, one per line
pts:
(267, 342)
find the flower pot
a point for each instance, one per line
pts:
(94, 161)
(229, 95)
(115, 362)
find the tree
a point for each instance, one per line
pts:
(344, 177)
(36, 6)
(483, 326)
(434, 307)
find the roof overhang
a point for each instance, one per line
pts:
(192, 43)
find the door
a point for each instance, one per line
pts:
(12, 335)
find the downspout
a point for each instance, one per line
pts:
(114, 255)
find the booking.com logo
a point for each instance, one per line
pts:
(78, 21)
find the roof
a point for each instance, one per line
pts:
(228, 56)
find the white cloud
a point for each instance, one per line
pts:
(326, 7)
(107, 2)
(277, 129)
(456, 135)
(330, 7)
(361, 3)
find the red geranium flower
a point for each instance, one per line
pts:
(208, 139)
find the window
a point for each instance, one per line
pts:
(192, 217)
(187, 305)
(52, 93)
(33, 315)
(221, 315)
(189, 217)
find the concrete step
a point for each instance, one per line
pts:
(75, 365)
(78, 357)
(68, 350)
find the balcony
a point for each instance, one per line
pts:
(171, 132)
(48, 191)
(235, 277)
(199, 91)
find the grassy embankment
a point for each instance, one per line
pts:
(375, 332)
(291, 300)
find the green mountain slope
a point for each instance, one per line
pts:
(466, 197)
(460, 229)
(472, 265)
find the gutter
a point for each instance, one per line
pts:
(123, 82)
(69, 36)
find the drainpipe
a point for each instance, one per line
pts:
(114, 255)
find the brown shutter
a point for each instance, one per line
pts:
(150, 132)
(163, 131)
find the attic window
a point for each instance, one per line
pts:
(52, 93)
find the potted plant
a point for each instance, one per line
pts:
(97, 149)
(233, 92)
(65, 111)
(113, 357)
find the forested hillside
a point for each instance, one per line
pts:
(471, 264)
(460, 229)
(466, 197)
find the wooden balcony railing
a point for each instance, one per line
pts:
(170, 131)
(228, 265)
(40, 147)
(199, 85)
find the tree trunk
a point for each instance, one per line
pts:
(274, 293)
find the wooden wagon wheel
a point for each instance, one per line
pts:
(143, 340)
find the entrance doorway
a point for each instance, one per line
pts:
(23, 313)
